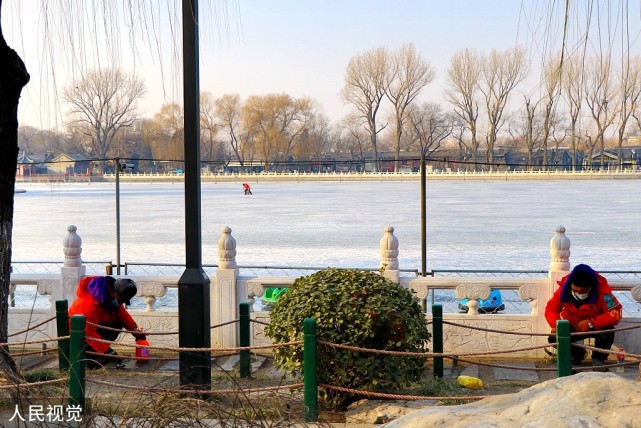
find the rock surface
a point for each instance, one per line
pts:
(381, 411)
(587, 399)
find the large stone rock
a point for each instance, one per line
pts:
(382, 411)
(587, 399)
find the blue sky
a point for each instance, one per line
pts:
(298, 47)
(303, 47)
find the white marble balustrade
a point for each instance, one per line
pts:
(228, 289)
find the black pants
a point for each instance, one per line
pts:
(602, 340)
(95, 361)
(110, 334)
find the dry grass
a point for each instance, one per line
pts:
(151, 398)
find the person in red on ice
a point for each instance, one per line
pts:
(585, 299)
(247, 189)
(102, 300)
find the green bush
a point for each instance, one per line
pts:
(356, 308)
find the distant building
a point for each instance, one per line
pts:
(629, 159)
(235, 167)
(32, 164)
(70, 164)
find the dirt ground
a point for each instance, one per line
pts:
(286, 403)
(148, 388)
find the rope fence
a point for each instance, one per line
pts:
(240, 391)
(76, 357)
(175, 349)
(33, 384)
(429, 354)
(372, 394)
(32, 327)
(34, 342)
(42, 351)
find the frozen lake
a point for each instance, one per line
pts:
(470, 225)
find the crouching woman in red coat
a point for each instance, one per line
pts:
(586, 301)
(102, 300)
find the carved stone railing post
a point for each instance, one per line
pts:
(559, 267)
(559, 258)
(73, 269)
(225, 296)
(473, 293)
(150, 290)
(560, 251)
(389, 254)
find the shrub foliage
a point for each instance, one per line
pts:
(351, 307)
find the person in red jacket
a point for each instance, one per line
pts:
(102, 300)
(585, 299)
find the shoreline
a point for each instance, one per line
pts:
(366, 176)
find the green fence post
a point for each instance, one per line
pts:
(309, 370)
(437, 337)
(77, 352)
(62, 323)
(563, 353)
(245, 362)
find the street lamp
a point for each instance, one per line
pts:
(193, 285)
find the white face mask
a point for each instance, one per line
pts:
(578, 296)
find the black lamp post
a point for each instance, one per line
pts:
(193, 286)
(423, 218)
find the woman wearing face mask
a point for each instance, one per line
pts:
(585, 299)
(102, 300)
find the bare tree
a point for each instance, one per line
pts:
(552, 87)
(354, 139)
(13, 77)
(365, 88)
(600, 91)
(459, 129)
(573, 88)
(428, 126)
(629, 99)
(316, 140)
(501, 72)
(102, 103)
(408, 74)
(169, 135)
(528, 128)
(208, 125)
(25, 136)
(274, 122)
(228, 115)
(589, 145)
(462, 92)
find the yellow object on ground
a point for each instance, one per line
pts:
(470, 382)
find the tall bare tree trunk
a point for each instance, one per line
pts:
(13, 77)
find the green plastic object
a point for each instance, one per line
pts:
(272, 294)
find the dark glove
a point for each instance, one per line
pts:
(113, 353)
(139, 336)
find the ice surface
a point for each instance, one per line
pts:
(470, 224)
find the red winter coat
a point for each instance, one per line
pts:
(603, 309)
(102, 314)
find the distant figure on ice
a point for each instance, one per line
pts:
(247, 189)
